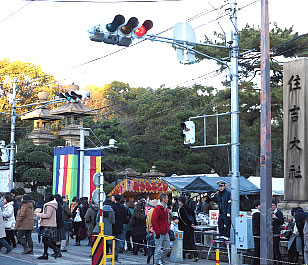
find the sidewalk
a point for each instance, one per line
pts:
(79, 255)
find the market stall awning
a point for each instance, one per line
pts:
(179, 182)
(277, 184)
(140, 185)
(209, 184)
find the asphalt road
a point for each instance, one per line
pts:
(76, 255)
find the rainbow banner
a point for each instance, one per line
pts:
(66, 171)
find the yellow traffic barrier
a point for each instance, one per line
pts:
(217, 256)
(99, 247)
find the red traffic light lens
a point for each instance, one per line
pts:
(141, 31)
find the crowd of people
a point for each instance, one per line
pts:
(296, 234)
(142, 226)
(55, 220)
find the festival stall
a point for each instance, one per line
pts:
(132, 188)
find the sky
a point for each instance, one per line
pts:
(54, 36)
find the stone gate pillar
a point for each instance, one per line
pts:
(295, 132)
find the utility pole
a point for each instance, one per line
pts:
(81, 172)
(12, 142)
(266, 233)
(235, 204)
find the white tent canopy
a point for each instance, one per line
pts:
(277, 184)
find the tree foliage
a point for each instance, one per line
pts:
(283, 42)
(31, 79)
(33, 164)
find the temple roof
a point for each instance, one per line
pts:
(128, 172)
(42, 113)
(154, 173)
(74, 108)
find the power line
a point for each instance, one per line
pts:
(124, 48)
(16, 11)
(146, 100)
(104, 2)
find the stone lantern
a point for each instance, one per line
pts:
(154, 173)
(42, 118)
(73, 113)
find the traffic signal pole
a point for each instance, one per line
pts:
(100, 33)
(12, 142)
(235, 196)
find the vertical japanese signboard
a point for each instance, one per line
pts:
(295, 96)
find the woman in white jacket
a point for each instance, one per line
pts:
(9, 219)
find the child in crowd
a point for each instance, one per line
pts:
(174, 227)
(151, 243)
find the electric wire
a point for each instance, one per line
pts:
(96, 137)
(145, 99)
(91, 141)
(16, 11)
(124, 48)
(103, 2)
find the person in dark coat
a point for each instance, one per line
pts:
(68, 223)
(120, 217)
(73, 207)
(60, 224)
(175, 205)
(223, 199)
(256, 232)
(39, 204)
(277, 218)
(300, 219)
(80, 227)
(108, 220)
(187, 222)
(16, 207)
(294, 239)
(90, 219)
(189, 202)
(199, 204)
(206, 206)
(138, 223)
(129, 229)
(123, 237)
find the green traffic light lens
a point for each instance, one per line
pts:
(117, 21)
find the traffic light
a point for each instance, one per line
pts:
(189, 133)
(71, 96)
(120, 32)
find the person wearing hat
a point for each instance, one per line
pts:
(223, 199)
(109, 220)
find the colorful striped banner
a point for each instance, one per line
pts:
(66, 172)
